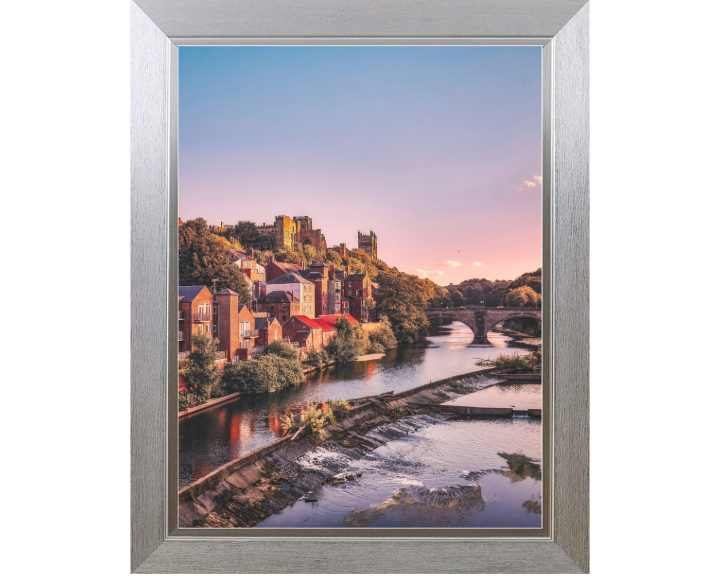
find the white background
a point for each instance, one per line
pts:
(64, 180)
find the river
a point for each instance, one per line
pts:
(215, 436)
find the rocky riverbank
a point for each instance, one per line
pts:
(244, 492)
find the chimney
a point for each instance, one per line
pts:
(251, 252)
(222, 224)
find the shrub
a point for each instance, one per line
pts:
(317, 359)
(350, 342)
(268, 373)
(384, 335)
(529, 364)
(200, 370)
(315, 418)
(282, 349)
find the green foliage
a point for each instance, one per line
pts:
(531, 279)
(523, 297)
(403, 302)
(476, 291)
(289, 257)
(263, 256)
(268, 373)
(201, 373)
(529, 364)
(283, 349)
(317, 359)
(382, 339)
(202, 258)
(350, 342)
(246, 233)
(315, 417)
(527, 326)
(339, 407)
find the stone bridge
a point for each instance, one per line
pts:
(482, 320)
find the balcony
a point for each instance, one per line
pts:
(250, 334)
(181, 315)
(202, 317)
(181, 336)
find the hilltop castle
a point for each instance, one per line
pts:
(368, 243)
(286, 232)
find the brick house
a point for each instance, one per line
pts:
(319, 274)
(335, 282)
(304, 331)
(357, 288)
(269, 330)
(303, 290)
(274, 269)
(248, 334)
(282, 305)
(195, 314)
(245, 260)
(317, 333)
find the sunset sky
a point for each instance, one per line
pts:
(435, 149)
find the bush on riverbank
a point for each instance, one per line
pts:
(268, 373)
(529, 364)
(316, 359)
(383, 337)
(202, 378)
(282, 349)
(350, 342)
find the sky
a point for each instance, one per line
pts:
(436, 149)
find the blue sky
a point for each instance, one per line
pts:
(436, 149)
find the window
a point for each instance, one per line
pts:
(215, 309)
(214, 327)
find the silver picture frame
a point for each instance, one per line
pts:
(158, 28)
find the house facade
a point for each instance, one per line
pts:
(357, 288)
(195, 314)
(269, 330)
(303, 290)
(282, 305)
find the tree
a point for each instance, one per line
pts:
(457, 298)
(350, 342)
(523, 297)
(282, 350)
(201, 374)
(202, 258)
(268, 373)
(384, 336)
(246, 232)
(403, 303)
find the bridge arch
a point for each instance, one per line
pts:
(481, 320)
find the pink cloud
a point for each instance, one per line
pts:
(428, 273)
(448, 263)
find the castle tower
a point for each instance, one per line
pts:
(368, 243)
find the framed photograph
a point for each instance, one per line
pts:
(360, 275)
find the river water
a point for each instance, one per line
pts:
(213, 437)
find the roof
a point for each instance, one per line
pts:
(309, 322)
(228, 292)
(189, 293)
(286, 266)
(290, 278)
(332, 318)
(235, 255)
(278, 296)
(263, 323)
(319, 264)
(356, 277)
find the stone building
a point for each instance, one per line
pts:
(303, 290)
(368, 243)
(269, 330)
(357, 288)
(319, 274)
(288, 232)
(282, 305)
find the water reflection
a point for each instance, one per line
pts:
(212, 438)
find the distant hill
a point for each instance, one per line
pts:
(490, 293)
